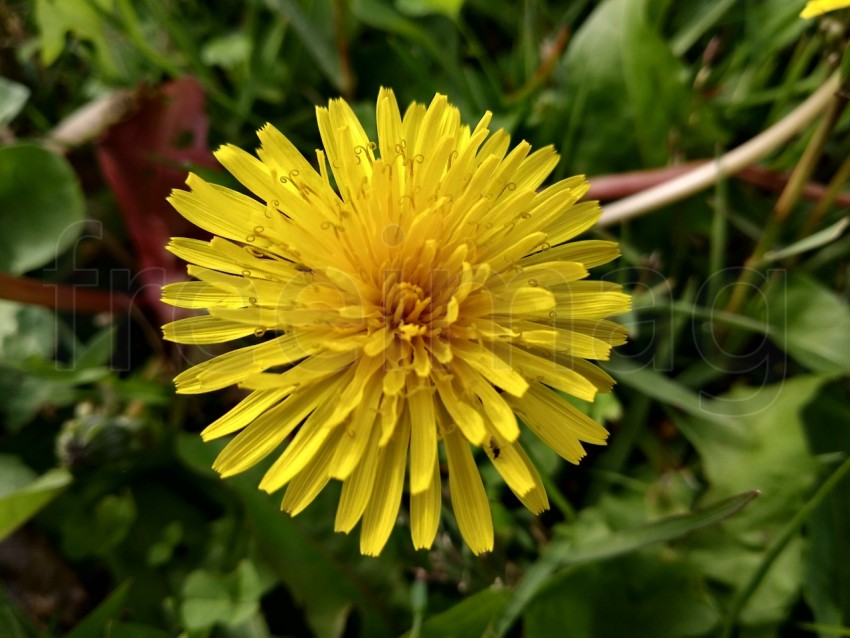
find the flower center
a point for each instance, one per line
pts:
(404, 303)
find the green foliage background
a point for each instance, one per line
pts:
(114, 525)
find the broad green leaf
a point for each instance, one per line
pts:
(27, 497)
(811, 323)
(564, 552)
(771, 454)
(26, 332)
(14, 475)
(470, 617)
(827, 576)
(626, 94)
(227, 51)
(96, 624)
(673, 601)
(206, 601)
(325, 588)
(41, 207)
(57, 18)
(106, 527)
(13, 96)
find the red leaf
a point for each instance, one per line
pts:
(142, 159)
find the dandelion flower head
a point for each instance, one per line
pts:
(408, 301)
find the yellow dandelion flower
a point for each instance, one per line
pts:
(432, 296)
(815, 8)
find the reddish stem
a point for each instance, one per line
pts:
(610, 187)
(62, 297)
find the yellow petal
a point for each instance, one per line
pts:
(232, 367)
(312, 479)
(819, 7)
(462, 413)
(575, 221)
(425, 511)
(492, 367)
(547, 274)
(307, 371)
(260, 438)
(205, 329)
(557, 423)
(589, 252)
(309, 438)
(382, 509)
(547, 370)
(423, 436)
(358, 432)
(575, 343)
(202, 253)
(243, 413)
(593, 373)
(591, 305)
(536, 168)
(498, 412)
(535, 500)
(469, 500)
(221, 211)
(198, 294)
(251, 172)
(509, 463)
(353, 393)
(389, 125)
(358, 488)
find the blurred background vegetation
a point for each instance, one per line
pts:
(112, 523)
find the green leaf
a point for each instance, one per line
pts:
(663, 389)
(57, 18)
(206, 601)
(13, 96)
(383, 16)
(564, 552)
(770, 453)
(96, 624)
(827, 576)
(672, 599)
(97, 351)
(112, 520)
(811, 323)
(42, 207)
(815, 240)
(227, 51)
(450, 8)
(21, 497)
(318, 42)
(119, 629)
(627, 94)
(26, 332)
(470, 617)
(324, 587)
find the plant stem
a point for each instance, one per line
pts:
(748, 153)
(788, 199)
(842, 175)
